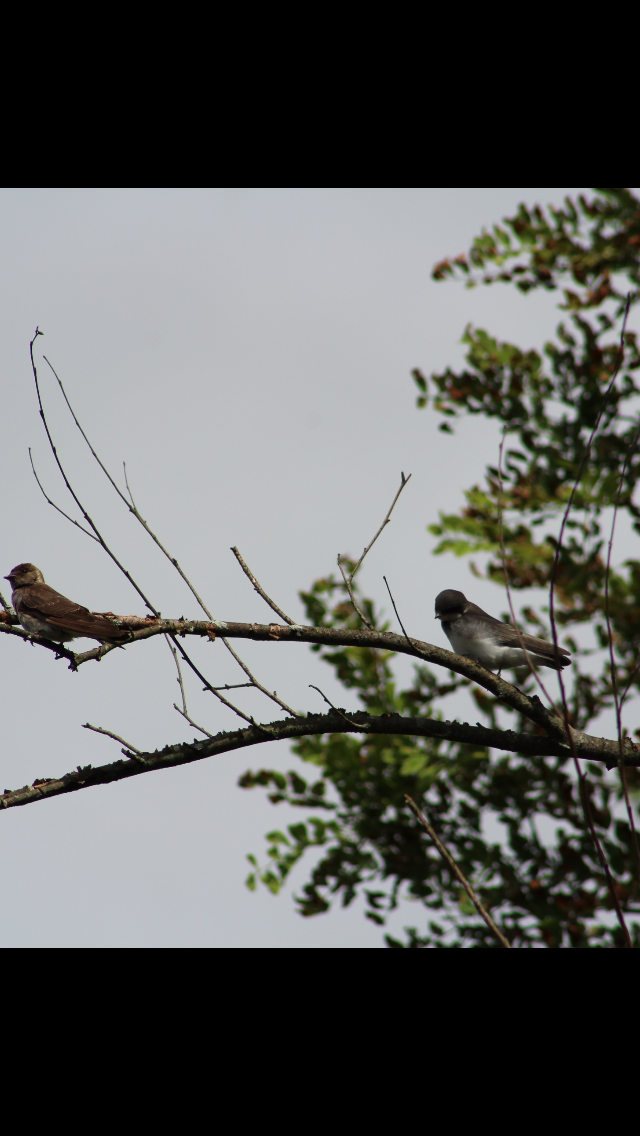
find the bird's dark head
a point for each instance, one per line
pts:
(23, 575)
(450, 604)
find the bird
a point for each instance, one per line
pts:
(479, 636)
(43, 611)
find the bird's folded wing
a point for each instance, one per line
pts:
(42, 600)
(531, 643)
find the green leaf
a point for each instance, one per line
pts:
(413, 764)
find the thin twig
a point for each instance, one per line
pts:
(448, 858)
(340, 712)
(614, 676)
(396, 611)
(234, 686)
(177, 662)
(261, 592)
(274, 696)
(71, 490)
(116, 738)
(57, 507)
(214, 690)
(192, 723)
(349, 588)
(403, 481)
(184, 711)
(6, 606)
(349, 579)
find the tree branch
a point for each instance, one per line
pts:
(457, 871)
(595, 749)
(336, 722)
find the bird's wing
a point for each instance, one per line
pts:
(42, 600)
(531, 643)
(473, 609)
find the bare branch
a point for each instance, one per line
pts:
(458, 873)
(586, 746)
(184, 711)
(261, 592)
(207, 684)
(314, 724)
(177, 662)
(7, 607)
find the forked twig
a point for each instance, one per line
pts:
(261, 592)
(448, 858)
(348, 580)
(184, 711)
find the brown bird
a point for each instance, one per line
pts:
(43, 611)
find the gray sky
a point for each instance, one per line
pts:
(248, 353)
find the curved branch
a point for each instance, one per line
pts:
(145, 628)
(595, 749)
(336, 722)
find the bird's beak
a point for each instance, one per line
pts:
(435, 616)
(7, 578)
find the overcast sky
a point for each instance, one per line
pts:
(248, 354)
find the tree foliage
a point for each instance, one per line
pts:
(543, 881)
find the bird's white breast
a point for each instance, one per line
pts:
(486, 651)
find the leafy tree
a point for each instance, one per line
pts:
(544, 891)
